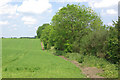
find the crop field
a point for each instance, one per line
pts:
(24, 58)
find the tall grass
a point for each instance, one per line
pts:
(110, 70)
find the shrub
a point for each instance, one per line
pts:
(112, 45)
(110, 70)
(112, 50)
(80, 59)
(94, 42)
(75, 56)
(59, 53)
(67, 55)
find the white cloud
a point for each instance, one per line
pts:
(111, 11)
(104, 3)
(103, 13)
(34, 6)
(14, 28)
(14, 25)
(28, 20)
(93, 3)
(10, 16)
(68, 0)
(4, 2)
(3, 22)
(50, 10)
(6, 8)
(13, 15)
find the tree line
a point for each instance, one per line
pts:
(79, 29)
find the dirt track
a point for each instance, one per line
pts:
(90, 72)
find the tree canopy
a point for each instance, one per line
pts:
(76, 28)
(40, 28)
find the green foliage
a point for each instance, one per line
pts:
(112, 45)
(78, 29)
(71, 23)
(48, 36)
(68, 47)
(94, 43)
(110, 70)
(75, 56)
(40, 28)
(59, 53)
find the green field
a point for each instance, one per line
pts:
(24, 58)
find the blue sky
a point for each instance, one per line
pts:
(23, 17)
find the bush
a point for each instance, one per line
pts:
(59, 53)
(75, 56)
(67, 55)
(94, 42)
(80, 59)
(68, 47)
(45, 45)
(112, 45)
(112, 50)
(76, 46)
(110, 70)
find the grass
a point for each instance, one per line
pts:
(110, 70)
(24, 58)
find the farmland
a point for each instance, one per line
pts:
(76, 43)
(24, 58)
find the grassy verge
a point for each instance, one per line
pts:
(110, 70)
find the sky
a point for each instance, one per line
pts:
(119, 9)
(21, 18)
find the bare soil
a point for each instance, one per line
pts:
(90, 72)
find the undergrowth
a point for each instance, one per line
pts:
(110, 70)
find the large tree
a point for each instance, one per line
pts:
(71, 23)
